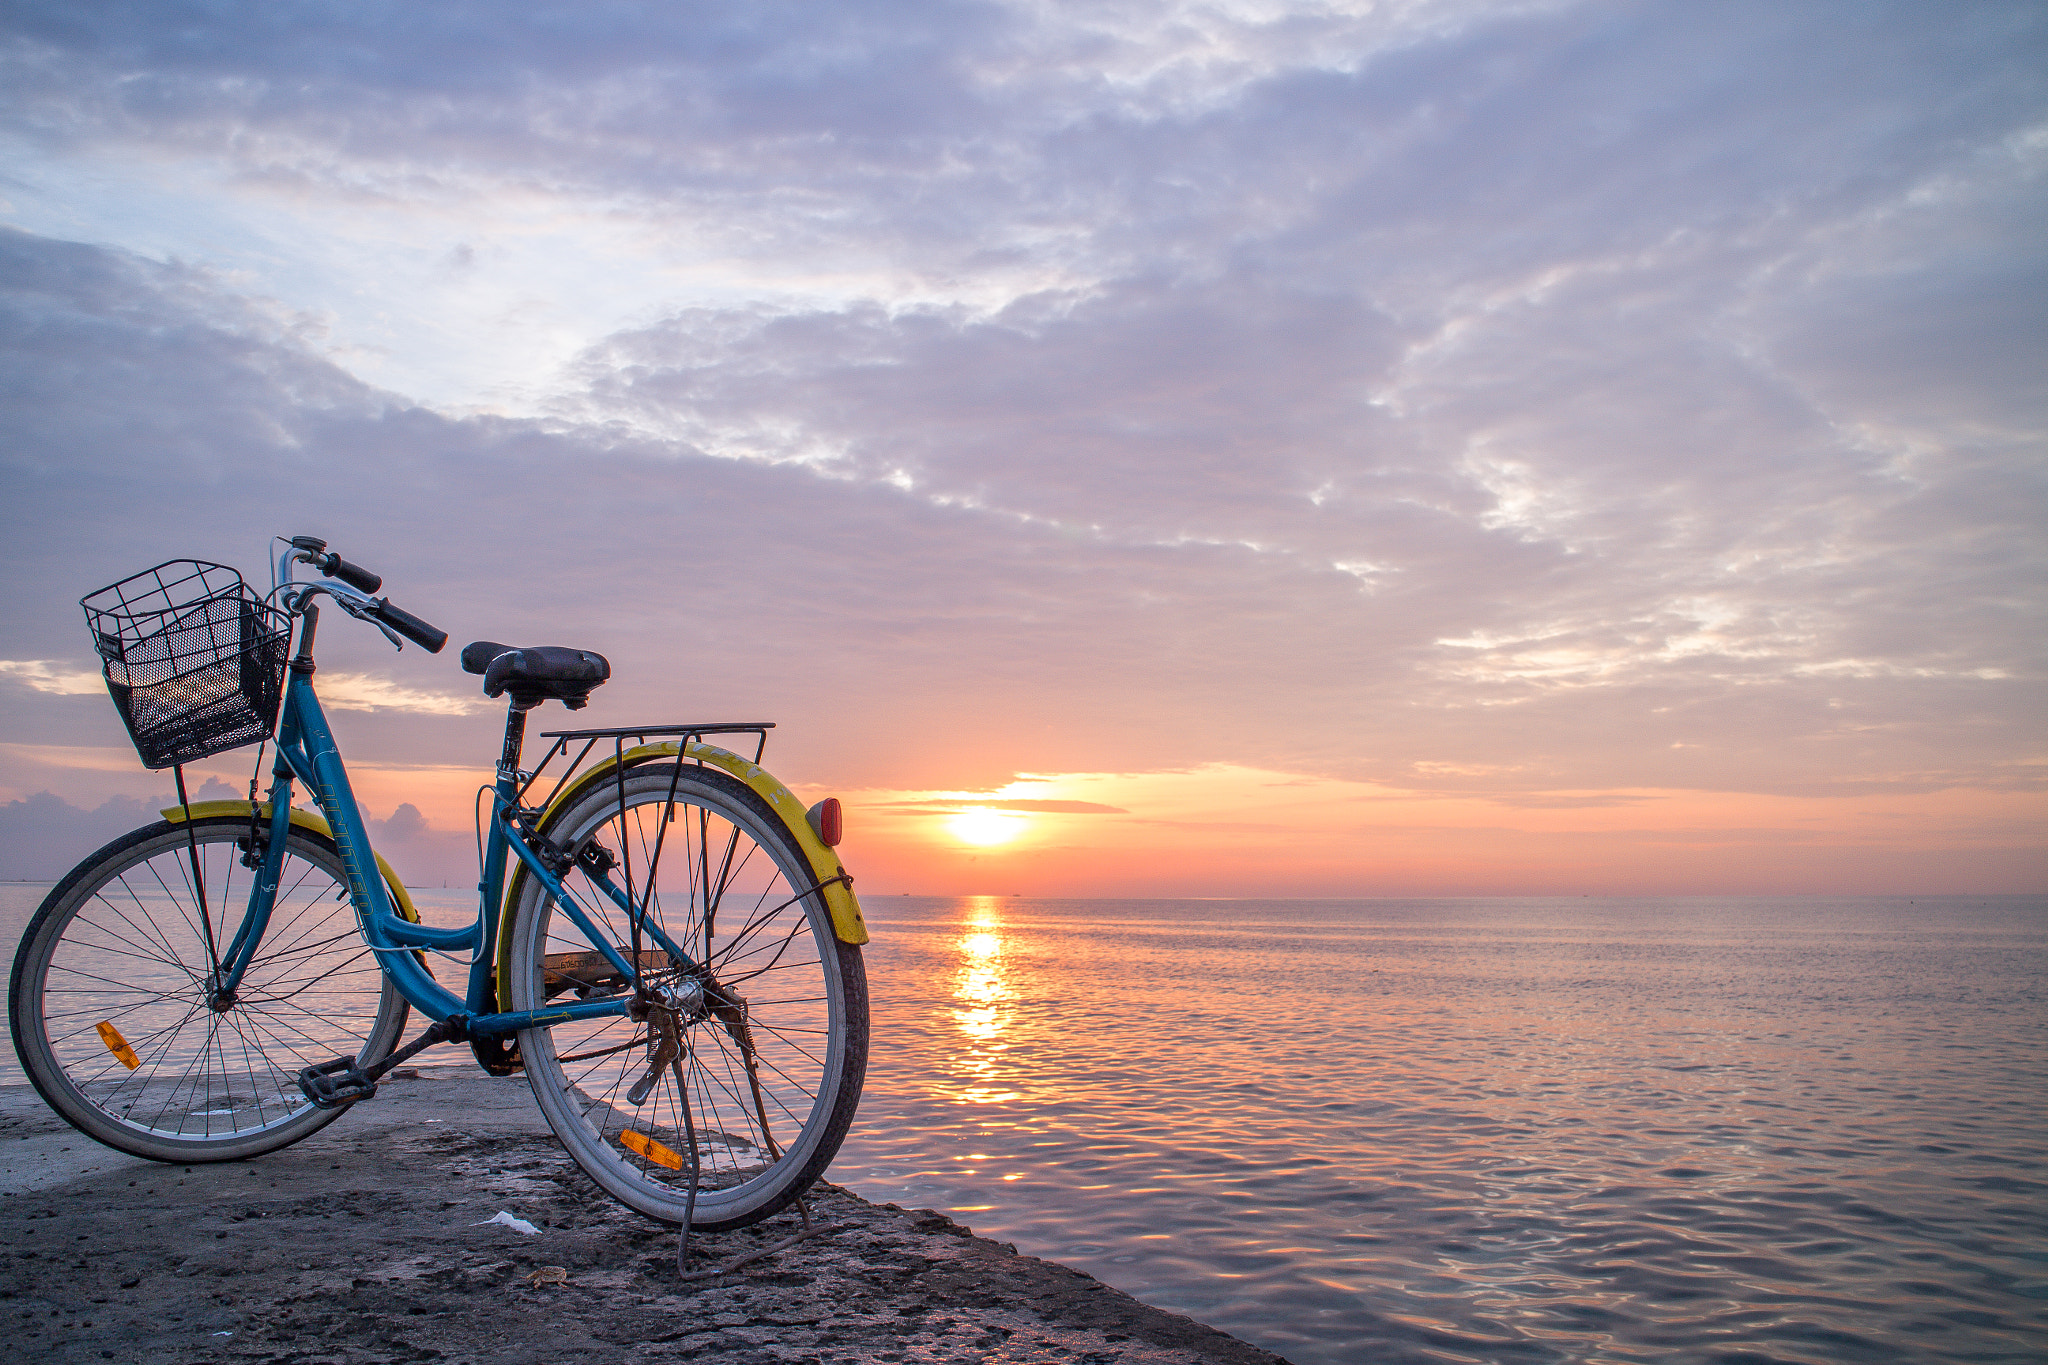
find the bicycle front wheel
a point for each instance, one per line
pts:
(756, 1046)
(110, 997)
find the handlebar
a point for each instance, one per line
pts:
(313, 550)
(427, 637)
(355, 575)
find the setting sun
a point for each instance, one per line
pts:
(985, 827)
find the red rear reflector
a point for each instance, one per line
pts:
(826, 822)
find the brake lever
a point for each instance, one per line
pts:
(362, 613)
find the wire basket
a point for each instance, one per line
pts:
(193, 659)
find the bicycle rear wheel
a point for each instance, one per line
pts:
(109, 996)
(759, 1054)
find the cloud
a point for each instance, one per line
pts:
(422, 853)
(47, 675)
(1442, 161)
(43, 836)
(1581, 396)
(1199, 585)
(362, 692)
(975, 803)
(1571, 800)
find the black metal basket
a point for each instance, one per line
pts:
(193, 658)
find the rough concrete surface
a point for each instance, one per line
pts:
(368, 1242)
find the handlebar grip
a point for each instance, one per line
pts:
(355, 575)
(411, 627)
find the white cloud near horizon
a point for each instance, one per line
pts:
(365, 692)
(1588, 396)
(48, 675)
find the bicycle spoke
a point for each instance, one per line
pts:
(115, 962)
(760, 1083)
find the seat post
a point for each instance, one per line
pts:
(515, 736)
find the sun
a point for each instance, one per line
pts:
(983, 827)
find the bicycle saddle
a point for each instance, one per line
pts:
(536, 673)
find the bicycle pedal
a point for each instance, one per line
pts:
(336, 1084)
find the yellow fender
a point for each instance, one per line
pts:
(847, 924)
(306, 820)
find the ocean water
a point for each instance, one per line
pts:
(1490, 1130)
(1508, 1130)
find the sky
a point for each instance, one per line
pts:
(1437, 447)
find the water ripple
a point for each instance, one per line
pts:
(1489, 1131)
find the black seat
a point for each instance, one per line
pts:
(537, 673)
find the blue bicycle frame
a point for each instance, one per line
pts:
(306, 751)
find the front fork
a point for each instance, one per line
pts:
(233, 963)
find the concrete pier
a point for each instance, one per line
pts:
(370, 1242)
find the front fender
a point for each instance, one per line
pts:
(311, 821)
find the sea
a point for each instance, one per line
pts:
(1484, 1130)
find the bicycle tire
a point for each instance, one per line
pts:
(776, 1056)
(119, 945)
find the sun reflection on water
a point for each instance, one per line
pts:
(984, 1008)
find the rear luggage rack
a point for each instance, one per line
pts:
(644, 734)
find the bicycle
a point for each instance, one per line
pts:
(182, 994)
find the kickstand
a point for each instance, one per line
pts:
(696, 1167)
(683, 1271)
(809, 1231)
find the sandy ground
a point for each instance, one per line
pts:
(363, 1243)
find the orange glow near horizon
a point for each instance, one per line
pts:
(1235, 831)
(1231, 831)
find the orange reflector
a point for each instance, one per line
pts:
(652, 1150)
(826, 822)
(118, 1045)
